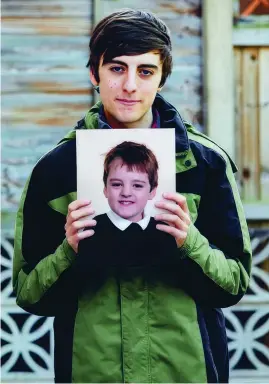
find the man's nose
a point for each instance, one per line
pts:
(130, 84)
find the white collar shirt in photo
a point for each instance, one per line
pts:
(122, 224)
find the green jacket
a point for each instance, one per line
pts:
(159, 324)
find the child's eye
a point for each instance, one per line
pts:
(116, 184)
(138, 186)
(117, 69)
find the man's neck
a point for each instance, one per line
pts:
(145, 122)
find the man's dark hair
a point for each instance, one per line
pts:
(137, 157)
(130, 32)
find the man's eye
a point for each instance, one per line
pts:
(117, 69)
(146, 72)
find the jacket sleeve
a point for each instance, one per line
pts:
(216, 256)
(42, 256)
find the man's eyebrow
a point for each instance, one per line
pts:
(153, 66)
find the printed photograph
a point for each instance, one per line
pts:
(124, 172)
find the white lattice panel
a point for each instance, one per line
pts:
(247, 331)
(27, 346)
(26, 340)
(259, 284)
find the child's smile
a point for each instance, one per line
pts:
(123, 202)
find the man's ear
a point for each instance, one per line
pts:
(152, 193)
(93, 79)
(105, 192)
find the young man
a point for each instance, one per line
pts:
(132, 237)
(138, 324)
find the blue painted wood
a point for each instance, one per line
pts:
(45, 85)
(44, 8)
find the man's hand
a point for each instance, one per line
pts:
(77, 210)
(177, 218)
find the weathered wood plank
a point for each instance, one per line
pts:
(40, 53)
(45, 85)
(41, 8)
(251, 122)
(183, 89)
(53, 82)
(238, 106)
(250, 139)
(57, 17)
(218, 73)
(21, 151)
(264, 120)
(46, 26)
(251, 37)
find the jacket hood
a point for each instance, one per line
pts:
(170, 118)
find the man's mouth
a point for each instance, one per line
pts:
(128, 102)
(126, 202)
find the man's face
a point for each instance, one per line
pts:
(127, 191)
(128, 86)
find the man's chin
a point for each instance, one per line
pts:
(128, 118)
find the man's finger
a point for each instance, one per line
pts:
(84, 224)
(78, 204)
(75, 239)
(172, 220)
(176, 233)
(75, 226)
(174, 208)
(84, 234)
(178, 199)
(80, 213)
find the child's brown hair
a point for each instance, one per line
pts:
(135, 156)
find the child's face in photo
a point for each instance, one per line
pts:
(127, 191)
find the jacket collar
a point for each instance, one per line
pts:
(169, 118)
